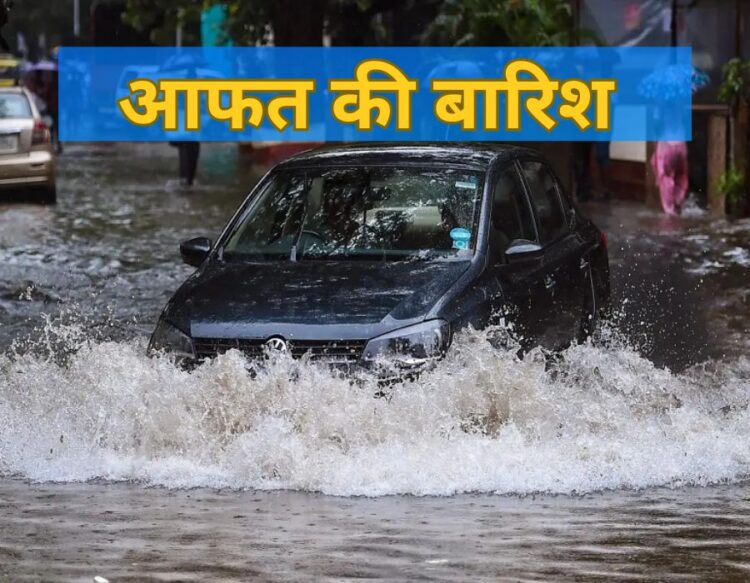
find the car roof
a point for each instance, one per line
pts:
(477, 155)
(14, 89)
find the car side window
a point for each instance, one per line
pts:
(544, 193)
(511, 216)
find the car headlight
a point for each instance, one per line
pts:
(413, 346)
(167, 338)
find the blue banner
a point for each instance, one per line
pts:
(375, 93)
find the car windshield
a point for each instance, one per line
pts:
(386, 213)
(14, 106)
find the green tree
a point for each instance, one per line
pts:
(734, 82)
(286, 22)
(161, 18)
(250, 22)
(502, 23)
(52, 21)
(734, 92)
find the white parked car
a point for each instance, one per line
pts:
(27, 155)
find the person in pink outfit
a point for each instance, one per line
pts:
(670, 164)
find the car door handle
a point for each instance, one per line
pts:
(549, 282)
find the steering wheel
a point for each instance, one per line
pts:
(313, 234)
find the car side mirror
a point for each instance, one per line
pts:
(195, 251)
(523, 251)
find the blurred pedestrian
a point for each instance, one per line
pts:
(582, 168)
(601, 150)
(5, 6)
(670, 164)
(189, 153)
(42, 81)
(186, 67)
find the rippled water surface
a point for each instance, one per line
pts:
(629, 458)
(132, 534)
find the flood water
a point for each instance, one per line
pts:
(629, 460)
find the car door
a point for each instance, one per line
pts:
(563, 268)
(521, 296)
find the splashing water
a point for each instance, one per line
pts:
(482, 421)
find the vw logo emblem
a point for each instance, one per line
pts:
(277, 344)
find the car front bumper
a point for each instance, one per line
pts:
(355, 369)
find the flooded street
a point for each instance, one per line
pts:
(133, 534)
(110, 243)
(631, 459)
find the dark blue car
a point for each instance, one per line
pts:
(352, 253)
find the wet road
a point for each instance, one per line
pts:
(680, 283)
(127, 534)
(628, 450)
(110, 244)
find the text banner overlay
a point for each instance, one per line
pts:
(375, 93)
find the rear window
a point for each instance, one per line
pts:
(14, 105)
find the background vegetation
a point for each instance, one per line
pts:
(308, 22)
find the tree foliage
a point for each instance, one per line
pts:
(250, 22)
(302, 22)
(52, 20)
(732, 185)
(502, 23)
(161, 18)
(734, 82)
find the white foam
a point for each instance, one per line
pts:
(483, 421)
(738, 255)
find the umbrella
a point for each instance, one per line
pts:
(181, 61)
(700, 79)
(43, 66)
(672, 83)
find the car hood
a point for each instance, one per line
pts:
(300, 299)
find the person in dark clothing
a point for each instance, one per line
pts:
(189, 151)
(5, 6)
(44, 84)
(582, 167)
(189, 154)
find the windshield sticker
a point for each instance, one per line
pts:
(462, 184)
(461, 238)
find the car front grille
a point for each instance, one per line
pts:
(338, 351)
